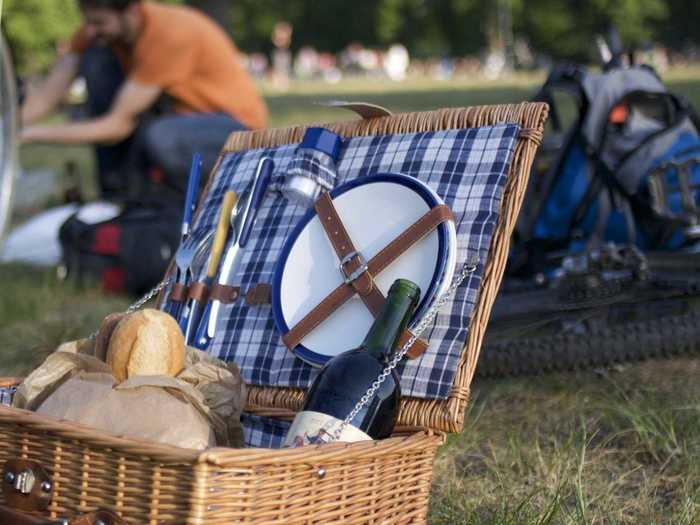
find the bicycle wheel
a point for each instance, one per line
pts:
(673, 334)
(8, 136)
(617, 323)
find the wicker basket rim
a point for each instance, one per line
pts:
(170, 454)
(530, 116)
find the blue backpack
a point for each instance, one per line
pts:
(626, 168)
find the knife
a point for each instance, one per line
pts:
(217, 248)
(242, 229)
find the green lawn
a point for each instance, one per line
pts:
(608, 446)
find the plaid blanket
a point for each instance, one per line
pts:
(263, 432)
(467, 168)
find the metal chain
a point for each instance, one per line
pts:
(150, 295)
(138, 304)
(427, 319)
(6, 394)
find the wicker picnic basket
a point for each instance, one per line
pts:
(385, 481)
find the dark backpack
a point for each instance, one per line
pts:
(128, 253)
(625, 170)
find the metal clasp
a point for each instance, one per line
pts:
(25, 485)
(354, 275)
(24, 482)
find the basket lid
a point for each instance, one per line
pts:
(439, 414)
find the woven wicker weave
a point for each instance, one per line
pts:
(447, 415)
(384, 481)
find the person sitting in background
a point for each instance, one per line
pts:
(163, 82)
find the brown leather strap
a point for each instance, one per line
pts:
(418, 348)
(224, 294)
(199, 292)
(259, 295)
(364, 285)
(378, 263)
(178, 293)
(395, 248)
(10, 516)
(351, 261)
(409, 237)
(311, 320)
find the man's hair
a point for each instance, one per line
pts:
(118, 5)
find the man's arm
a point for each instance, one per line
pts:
(45, 98)
(133, 98)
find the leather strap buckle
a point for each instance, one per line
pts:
(368, 292)
(359, 271)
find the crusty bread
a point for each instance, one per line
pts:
(81, 346)
(147, 342)
(107, 327)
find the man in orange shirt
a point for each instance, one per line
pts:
(163, 82)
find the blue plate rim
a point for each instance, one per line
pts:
(305, 354)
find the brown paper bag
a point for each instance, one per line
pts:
(198, 409)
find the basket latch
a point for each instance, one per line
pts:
(26, 485)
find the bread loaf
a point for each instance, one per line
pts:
(147, 342)
(81, 346)
(104, 334)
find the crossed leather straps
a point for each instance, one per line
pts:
(359, 274)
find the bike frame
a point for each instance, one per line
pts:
(8, 136)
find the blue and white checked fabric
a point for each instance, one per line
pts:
(467, 168)
(263, 432)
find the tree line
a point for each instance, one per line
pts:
(557, 29)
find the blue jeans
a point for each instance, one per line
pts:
(162, 139)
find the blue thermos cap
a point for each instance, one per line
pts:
(323, 140)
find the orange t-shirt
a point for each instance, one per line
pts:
(191, 58)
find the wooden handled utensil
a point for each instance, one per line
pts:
(217, 249)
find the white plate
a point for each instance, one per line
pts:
(374, 210)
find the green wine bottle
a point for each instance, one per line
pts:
(346, 377)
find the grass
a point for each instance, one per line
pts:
(613, 447)
(619, 446)
(38, 312)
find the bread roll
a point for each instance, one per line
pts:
(81, 346)
(104, 334)
(147, 342)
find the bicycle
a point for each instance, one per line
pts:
(8, 136)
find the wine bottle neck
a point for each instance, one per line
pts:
(390, 323)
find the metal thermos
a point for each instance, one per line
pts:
(313, 168)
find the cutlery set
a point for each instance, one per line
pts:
(198, 313)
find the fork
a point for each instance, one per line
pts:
(172, 307)
(188, 251)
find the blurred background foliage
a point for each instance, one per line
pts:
(554, 29)
(35, 27)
